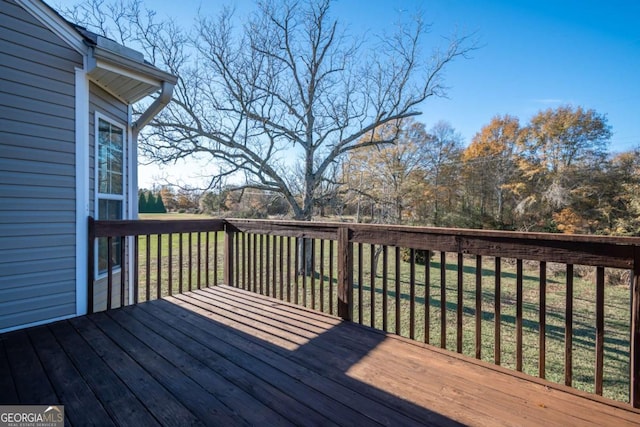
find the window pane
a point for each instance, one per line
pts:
(110, 158)
(109, 209)
(103, 178)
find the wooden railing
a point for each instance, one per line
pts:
(544, 304)
(167, 257)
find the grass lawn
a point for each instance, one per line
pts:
(617, 300)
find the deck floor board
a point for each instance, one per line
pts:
(118, 400)
(319, 386)
(158, 401)
(242, 369)
(81, 404)
(224, 356)
(348, 347)
(8, 392)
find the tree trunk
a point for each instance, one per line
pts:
(305, 259)
(500, 207)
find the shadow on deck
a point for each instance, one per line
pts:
(223, 356)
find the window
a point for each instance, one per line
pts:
(110, 158)
(109, 185)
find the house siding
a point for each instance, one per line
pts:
(37, 171)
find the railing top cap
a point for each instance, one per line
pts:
(461, 232)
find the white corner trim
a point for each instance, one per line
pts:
(132, 168)
(132, 188)
(82, 188)
(55, 23)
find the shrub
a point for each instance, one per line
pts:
(420, 255)
(249, 214)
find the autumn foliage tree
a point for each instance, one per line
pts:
(623, 213)
(561, 148)
(490, 170)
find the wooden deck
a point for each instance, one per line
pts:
(222, 356)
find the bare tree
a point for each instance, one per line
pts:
(288, 84)
(441, 155)
(391, 177)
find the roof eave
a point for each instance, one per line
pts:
(125, 78)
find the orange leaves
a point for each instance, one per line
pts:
(497, 139)
(568, 221)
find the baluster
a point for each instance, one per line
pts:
(159, 268)
(372, 268)
(412, 293)
(568, 329)
(427, 296)
(542, 341)
(459, 305)
(109, 271)
(398, 291)
(498, 312)
(331, 302)
(360, 308)
(170, 266)
(385, 288)
(478, 307)
(519, 315)
(443, 300)
(599, 329)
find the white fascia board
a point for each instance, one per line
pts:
(129, 73)
(149, 73)
(55, 23)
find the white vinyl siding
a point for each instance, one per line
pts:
(37, 171)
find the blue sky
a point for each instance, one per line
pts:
(542, 54)
(534, 55)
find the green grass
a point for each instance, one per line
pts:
(177, 267)
(617, 302)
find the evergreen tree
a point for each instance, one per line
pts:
(159, 205)
(143, 205)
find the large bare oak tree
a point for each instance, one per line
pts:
(279, 99)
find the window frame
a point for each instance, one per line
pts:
(99, 116)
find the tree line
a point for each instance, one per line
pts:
(554, 173)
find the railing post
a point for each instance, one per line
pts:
(90, 263)
(229, 234)
(345, 274)
(634, 395)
